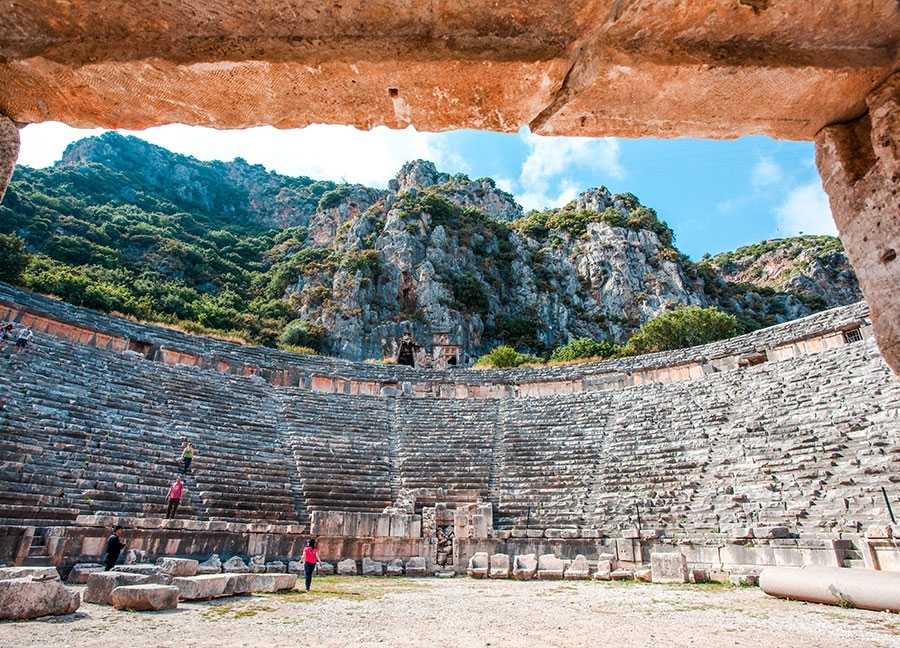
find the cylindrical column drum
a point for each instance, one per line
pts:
(861, 588)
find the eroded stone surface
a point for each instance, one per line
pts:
(550, 567)
(30, 598)
(525, 567)
(81, 572)
(101, 584)
(478, 566)
(200, 587)
(145, 597)
(578, 569)
(669, 567)
(859, 162)
(499, 567)
(40, 573)
(346, 567)
(211, 566)
(9, 152)
(178, 566)
(235, 565)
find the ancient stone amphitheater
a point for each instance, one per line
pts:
(769, 448)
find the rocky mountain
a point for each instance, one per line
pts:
(436, 261)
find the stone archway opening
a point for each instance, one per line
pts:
(824, 71)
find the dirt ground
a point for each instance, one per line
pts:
(444, 613)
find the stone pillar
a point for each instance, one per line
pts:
(9, 152)
(859, 162)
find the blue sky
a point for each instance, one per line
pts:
(715, 194)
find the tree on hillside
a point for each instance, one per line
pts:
(12, 251)
(682, 327)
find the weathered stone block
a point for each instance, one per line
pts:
(346, 567)
(211, 566)
(499, 566)
(325, 568)
(669, 567)
(80, 573)
(644, 574)
(180, 567)
(394, 568)
(101, 584)
(550, 567)
(38, 573)
(621, 574)
(273, 582)
(416, 566)
(144, 597)
(578, 569)
(201, 587)
(479, 565)
(372, 567)
(525, 567)
(879, 532)
(30, 598)
(238, 583)
(235, 565)
(145, 569)
(604, 570)
(275, 567)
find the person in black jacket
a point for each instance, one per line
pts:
(114, 546)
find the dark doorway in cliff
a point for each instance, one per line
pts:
(407, 354)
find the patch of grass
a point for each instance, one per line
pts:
(365, 588)
(234, 611)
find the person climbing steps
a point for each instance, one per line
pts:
(187, 456)
(176, 492)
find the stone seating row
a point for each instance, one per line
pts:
(670, 567)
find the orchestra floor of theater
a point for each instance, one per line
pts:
(360, 611)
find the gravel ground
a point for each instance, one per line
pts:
(440, 613)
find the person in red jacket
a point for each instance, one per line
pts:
(310, 560)
(176, 491)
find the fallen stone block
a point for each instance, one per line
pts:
(325, 568)
(416, 566)
(191, 588)
(372, 567)
(478, 566)
(499, 566)
(394, 568)
(699, 575)
(644, 574)
(134, 556)
(604, 570)
(525, 567)
(669, 567)
(258, 564)
(235, 565)
(238, 584)
(295, 567)
(621, 574)
(180, 567)
(346, 567)
(273, 582)
(211, 566)
(743, 579)
(80, 572)
(30, 598)
(38, 573)
(578, 569)
(101, 584)
(144, 569)
(550, 567)
(275, 567)
(143, 598)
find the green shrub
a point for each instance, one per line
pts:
(15, 259)
(300, 333)
(504, 357)
(333, 198)
(683, 327)
(583, 348)
(469, 294)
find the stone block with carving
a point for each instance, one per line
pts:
(669, 567)
(478, 566)
(499, 566)
(525, 567)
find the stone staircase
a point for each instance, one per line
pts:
(37, 552)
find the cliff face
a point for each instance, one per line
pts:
(435, 258)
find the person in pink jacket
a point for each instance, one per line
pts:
(310, 560)
(176, 491)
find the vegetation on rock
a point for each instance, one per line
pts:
(680, 328)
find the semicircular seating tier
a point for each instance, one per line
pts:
(795, 425)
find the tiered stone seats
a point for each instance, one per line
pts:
(341, 448)
(550, 449)
(102, 432)
(446, 446)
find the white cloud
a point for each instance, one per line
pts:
(546, 178)
(765, 173)
(806, 210)
(319, 151)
